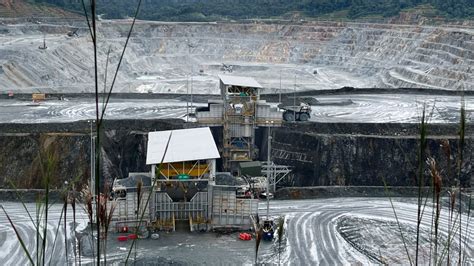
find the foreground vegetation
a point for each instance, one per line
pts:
(211, 10)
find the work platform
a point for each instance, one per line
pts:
(239, 112)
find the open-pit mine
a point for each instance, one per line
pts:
(367, 86)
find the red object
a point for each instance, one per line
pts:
(132, 236)
(124, 229)
(245, 236)
(122, 238)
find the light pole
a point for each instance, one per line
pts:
(269, 163)
(294, 99)
(279, 95)
(191, 69)
(187, 101)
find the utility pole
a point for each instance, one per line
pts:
(269, 172)
(279, 95)
(187, 101)
(294, 99)
(192, 70)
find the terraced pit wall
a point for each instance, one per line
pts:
(366, 154)
(320, 154)
(160, 56)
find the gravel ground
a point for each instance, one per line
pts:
(337, 231)
(363, 108)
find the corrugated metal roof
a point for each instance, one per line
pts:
(185, 145)
(240, 81)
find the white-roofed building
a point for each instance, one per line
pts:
(184, 154)
(183, 146)
(249, 82)
(183, 162)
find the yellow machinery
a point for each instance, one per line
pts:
(38, 97)
(195, 169)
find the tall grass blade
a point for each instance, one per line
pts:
(121, 58)
(149, 196)
(437, 184)
(280, 228)
(258, 240)
(56, 236)
(73, 205)
(449, 241)
(38, 234)
(50, 165)
(87, 19)
(462, 131)
(97, 123)
(467, 230)
(397, 220)
(139, 199)
(421, 156)
(65, 199)
(105, 77)
(22, 201)
(20, 239)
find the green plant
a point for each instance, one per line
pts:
(440, 250)
(102, 216)
(152, 188)
(280, 228)
(258, 240)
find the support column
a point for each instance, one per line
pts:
(152, 174)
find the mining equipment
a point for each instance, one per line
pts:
(38, 97)
(72, 33)
(227, 68)
(44, 47)
(300, 112)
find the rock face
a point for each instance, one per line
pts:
(161, 56)
(25, 157)
(26, 149)
(366, 154)
(319, 154)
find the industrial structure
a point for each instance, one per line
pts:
(184, 186)
(181, 169)
(239, 113)
(183, 181)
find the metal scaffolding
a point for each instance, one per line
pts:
(239, 112)
(275, 173)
